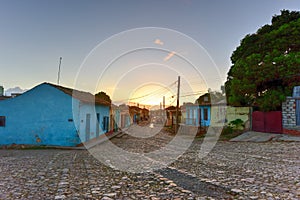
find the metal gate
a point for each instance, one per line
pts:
(296, 94)
(269, 122)
(258, 121)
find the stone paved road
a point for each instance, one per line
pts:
(254, 170)
(231, 171)
(60, 174)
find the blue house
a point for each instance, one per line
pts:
(50, 114)
(197, 115)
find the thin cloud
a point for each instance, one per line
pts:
(159, 42)
(170, 55)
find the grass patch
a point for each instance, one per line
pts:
(227, 134)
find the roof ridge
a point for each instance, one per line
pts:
(83, 96)
(68, 88)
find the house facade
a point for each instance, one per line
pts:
(138, 114)
(170, 116)
(125, 119)
(144, 114)
(197, 115)
(52, 115)
(115, 118)
(135, 114)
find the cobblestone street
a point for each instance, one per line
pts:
(230, 171)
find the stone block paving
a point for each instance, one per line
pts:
(268, 170)
(71, 174)
(231, 170)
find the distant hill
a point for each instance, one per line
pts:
(9, 91)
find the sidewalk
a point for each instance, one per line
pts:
(253, 136)
(99, 140)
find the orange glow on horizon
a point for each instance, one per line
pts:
(151, 94)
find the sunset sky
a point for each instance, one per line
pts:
(92, 35)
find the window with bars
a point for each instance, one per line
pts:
(2, 121)
(105, 123)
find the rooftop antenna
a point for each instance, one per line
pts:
(58, 74)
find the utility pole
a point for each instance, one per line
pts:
(58, 74)
(164, 108)
(177, 106)
(160, 110)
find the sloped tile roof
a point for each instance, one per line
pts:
(85, 97)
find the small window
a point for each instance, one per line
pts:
(205, 99)
(2, 121)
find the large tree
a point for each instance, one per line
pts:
(266, 65)
(102, 95)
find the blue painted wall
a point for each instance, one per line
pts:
(45, 115)
(125, 120)
(41, 116)
(104, 113)
(81, 110)
(192, 115)
(117, 119)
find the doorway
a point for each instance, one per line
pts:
(87, 127)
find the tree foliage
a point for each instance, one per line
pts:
(104, 96)
(266, 65)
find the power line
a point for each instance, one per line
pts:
(151, 93)
(156, 92)
(194, 94)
